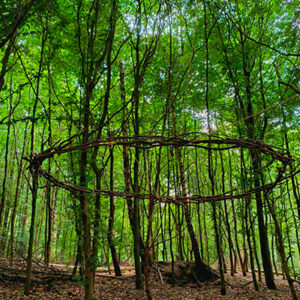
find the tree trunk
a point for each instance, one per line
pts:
(111, 218)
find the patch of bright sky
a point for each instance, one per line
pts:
(201, 115)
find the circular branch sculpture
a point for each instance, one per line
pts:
(150, 142)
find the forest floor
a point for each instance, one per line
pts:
(109, 287)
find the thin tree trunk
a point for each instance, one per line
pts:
(249, 244)
(3, 192)
(127, 177)
(35, 168)
(210, 166)
(35, 177)
(16, 199)
(227, 219)
(111, 218)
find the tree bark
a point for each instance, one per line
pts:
(111, 218)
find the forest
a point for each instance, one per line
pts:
(149, 149)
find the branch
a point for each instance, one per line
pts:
(17, 22)
(280, 81)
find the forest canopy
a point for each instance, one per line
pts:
(148, 131)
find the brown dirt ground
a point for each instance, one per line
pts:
(108, 287)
